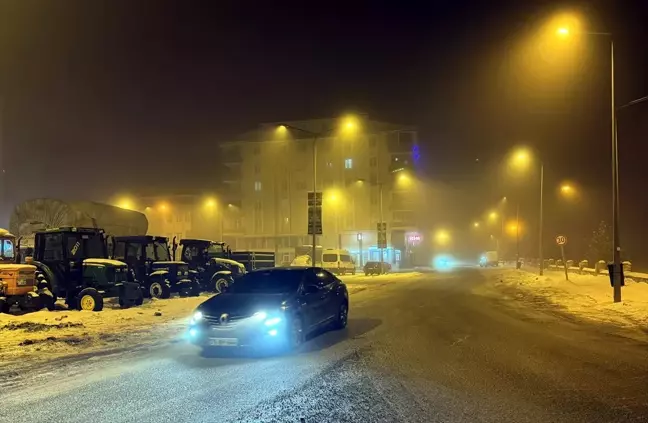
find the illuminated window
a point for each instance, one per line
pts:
(348, 163)
(373, 161)
(257, 186)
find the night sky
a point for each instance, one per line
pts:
(101, 97)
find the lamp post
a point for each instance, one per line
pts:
(616, 248)
(521, 159)
(350, 124)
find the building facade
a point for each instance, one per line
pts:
(269, 175)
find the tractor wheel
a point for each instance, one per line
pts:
(159, 289)
(140, 298)
(89, 299)
(220, 283)
(4, 306)
(47, 299)
(195, 289)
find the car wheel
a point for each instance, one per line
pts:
(89, 299)
(342, 316)
(296, 335)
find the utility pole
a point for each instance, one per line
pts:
(541, 219)
(315, 198)
(616, 253)
(517, 235)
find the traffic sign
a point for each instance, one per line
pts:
(315, 198)
(315, 213)
(561, 240)
(382, 234)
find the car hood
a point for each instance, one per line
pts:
(243, 304)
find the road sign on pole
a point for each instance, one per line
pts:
(382, 234)
(315, 213)
(562, 240)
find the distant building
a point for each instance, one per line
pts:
(270, 175)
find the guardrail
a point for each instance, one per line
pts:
(636, 276)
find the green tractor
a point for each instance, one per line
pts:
(73, 264)
(149, 258)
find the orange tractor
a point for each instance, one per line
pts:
(18, 283)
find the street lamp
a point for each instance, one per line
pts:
(616, 248)
(349, 123)
(476, 225)
(522, 158)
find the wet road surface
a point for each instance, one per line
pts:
(433, 347)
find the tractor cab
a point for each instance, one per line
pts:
(17, 281)
(210, 262)
(149, 258)
(74, 263)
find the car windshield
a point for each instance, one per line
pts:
(6, 248)
(268, 282)
(161, 251)
(329, 258)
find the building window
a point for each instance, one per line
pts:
(257, 168)
(257, 186)
(373, 161)
(329, 164)
(257, 149)
(301, 185)
(348, 163)
(372, 142)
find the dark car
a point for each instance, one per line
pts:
(376, 268)
(274, 307)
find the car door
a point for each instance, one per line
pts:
(313, 299)
(327, 283)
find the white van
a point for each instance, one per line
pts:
(338, 262)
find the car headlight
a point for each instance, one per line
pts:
(273, 321)
(179, 272)
(197, 317)
(261, 315)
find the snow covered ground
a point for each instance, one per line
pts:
(47, 335)
(587, 296)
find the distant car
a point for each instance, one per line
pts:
(274, 307)
(489, 259)
(376, 268)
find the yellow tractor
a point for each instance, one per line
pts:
(18, 284)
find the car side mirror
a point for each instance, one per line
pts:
(310, 289)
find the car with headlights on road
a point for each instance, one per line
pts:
(271, 308)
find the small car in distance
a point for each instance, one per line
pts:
(376, 268)
(271, 308)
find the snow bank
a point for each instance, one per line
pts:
(588, 296)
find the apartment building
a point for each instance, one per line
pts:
(269, 176)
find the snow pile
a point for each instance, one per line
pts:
(585, 295)
(50, 334)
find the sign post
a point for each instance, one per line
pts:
(382, 238)
(561, 240)
(360, 247)
(314, 213)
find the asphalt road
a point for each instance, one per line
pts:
(438, 347)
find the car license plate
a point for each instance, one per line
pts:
(223, 342)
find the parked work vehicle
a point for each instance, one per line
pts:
(73, 264)
(208, 265)
(149, 258)
(376, 268)
(338, 262)
(488, 259)
(18, 281)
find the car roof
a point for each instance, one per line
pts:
(141, 238)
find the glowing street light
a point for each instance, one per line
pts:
(210, 203)
(562, 31)
(442, 237)
(125, 203)
(476, 225)
(566, 189)
(492, 216)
